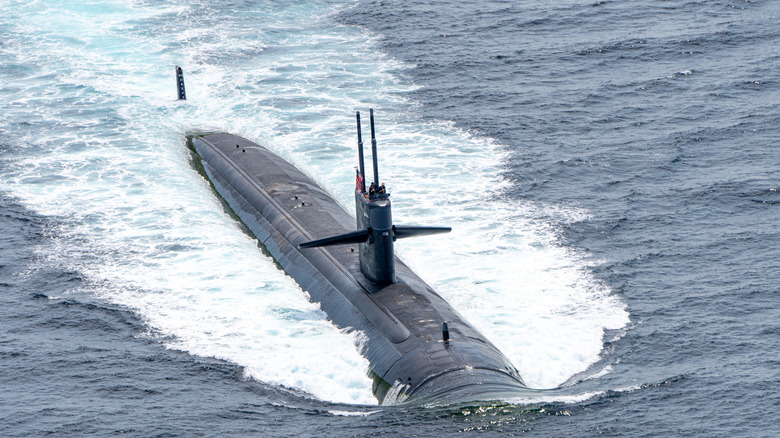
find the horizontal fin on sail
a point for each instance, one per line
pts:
(400, 231)
(359, 236)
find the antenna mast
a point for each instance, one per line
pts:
(360, 155)
(373, 149)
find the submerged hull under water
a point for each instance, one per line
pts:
(410, 356)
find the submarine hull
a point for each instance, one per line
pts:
(410, 356)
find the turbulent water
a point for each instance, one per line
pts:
(609, 170)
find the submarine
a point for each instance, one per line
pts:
(419, 348)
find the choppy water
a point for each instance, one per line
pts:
(614, 230)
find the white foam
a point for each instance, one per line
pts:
(600, 373)
(567, 398)
(557, 398)
(341, 413)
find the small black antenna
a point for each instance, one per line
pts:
(360, 155)
(180, 83)
(373, 149)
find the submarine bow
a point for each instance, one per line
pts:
(417, 345)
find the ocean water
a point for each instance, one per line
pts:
(609, 170)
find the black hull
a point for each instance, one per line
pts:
(408, 356)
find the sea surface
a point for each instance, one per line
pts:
(609, 168)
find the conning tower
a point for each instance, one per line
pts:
(375, 230)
